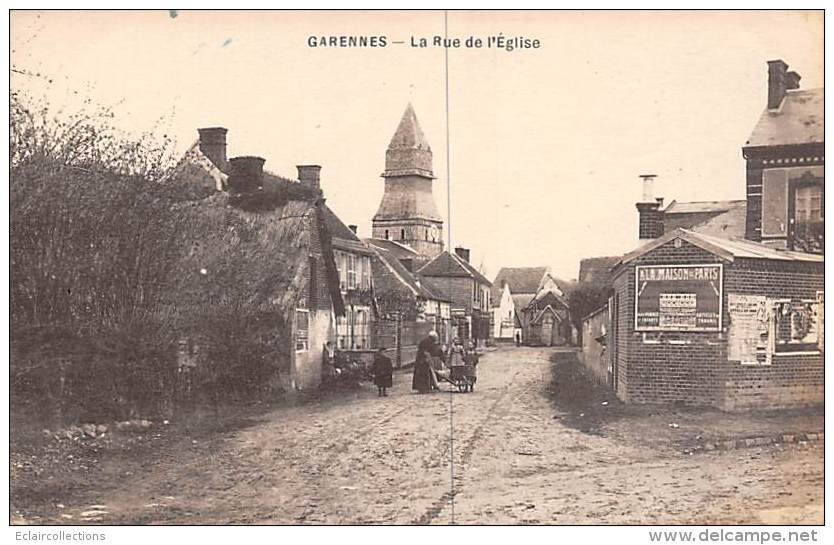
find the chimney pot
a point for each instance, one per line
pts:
(462, 253)
(247, 173)
(213, 145)
(648, 187)
(310, 175)
(776, 83)
(353, 228)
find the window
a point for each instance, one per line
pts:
(353, 330)
(366, 273)
(302, 329)
(808, 226)
(386, 234)
(351, 271)
(341, 265)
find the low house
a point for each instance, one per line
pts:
(409, 305)
(512, 290)
(728, 323)
(545, 321)
(467, 289)
(283, 231)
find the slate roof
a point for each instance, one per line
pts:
(799, 120)
(449, 264)
(402, 251)
(722, 218)
(520, 280)
(695, 207)
(521, 301)
(413, 282)
(597, 270)
(409, 135)
(728, 249)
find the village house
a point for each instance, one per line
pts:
(545, 321)
(723, 303)
(785, 156)
(530, 302)
(466, 288)
(409, 305)
(703, 320)
(329, 297)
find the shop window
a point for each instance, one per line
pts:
(302, 330)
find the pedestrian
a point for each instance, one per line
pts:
(383, 371)
(471, 369)
(518, 338)
(423, 379)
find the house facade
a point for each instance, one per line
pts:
(308, 294)
(545, 320)
(468, 291)
(708, 321)
(409, 305)
(785, 157)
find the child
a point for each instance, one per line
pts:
(383, 371)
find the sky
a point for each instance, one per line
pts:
(545, 145)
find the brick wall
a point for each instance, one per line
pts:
(692, 368)
(790, 380)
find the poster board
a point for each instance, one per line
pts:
(748, 338)
(678, 297)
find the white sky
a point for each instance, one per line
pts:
(546, 144)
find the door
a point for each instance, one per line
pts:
(547, 330)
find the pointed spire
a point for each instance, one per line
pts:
(409, 151)
(409, 135)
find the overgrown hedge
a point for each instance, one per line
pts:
(110, 271)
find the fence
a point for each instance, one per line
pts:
(402, 337)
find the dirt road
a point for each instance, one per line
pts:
(387, 460)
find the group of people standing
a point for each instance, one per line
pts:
(432, 360)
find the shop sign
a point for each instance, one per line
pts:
(678, 297)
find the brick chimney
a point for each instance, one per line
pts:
(776, 83)
(651, 217)
(792, 80)
(213, 145)
(462, 253)
(310, 175)
(246, 173)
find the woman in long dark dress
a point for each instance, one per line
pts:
(422, 379)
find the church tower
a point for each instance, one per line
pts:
(407, 213)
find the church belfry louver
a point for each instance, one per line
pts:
(407, 213)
